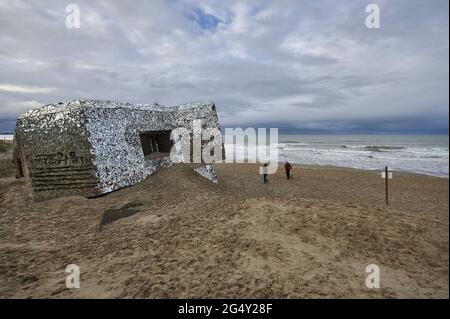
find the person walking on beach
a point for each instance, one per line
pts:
(265, 180)
(287, 168)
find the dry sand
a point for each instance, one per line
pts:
(184, 237)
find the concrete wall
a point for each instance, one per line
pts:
(116, 144)
(55, 154)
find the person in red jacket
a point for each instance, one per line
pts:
(288, 167)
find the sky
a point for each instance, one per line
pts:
(301, 66)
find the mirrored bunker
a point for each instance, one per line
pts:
(90, 148)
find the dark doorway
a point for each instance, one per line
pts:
(155, 144)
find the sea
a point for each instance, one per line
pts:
(424, 154)
(6, 137)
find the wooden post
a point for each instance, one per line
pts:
(386, 172)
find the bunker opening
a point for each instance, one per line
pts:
(156, 144)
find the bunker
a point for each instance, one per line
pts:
(92, 147)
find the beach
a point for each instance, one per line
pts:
(176, 235)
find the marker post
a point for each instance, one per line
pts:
(387, 176)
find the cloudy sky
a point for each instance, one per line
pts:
(302, 66)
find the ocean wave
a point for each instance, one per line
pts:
(296, 145)
(376, 148)
(409, 155)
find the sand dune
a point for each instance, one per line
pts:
(177, 235)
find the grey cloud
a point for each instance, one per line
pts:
(308, 66)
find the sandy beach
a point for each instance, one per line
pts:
(176, 235)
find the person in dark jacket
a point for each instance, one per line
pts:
(288, 168)
(265, 180)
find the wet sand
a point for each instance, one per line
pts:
(176, 235)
